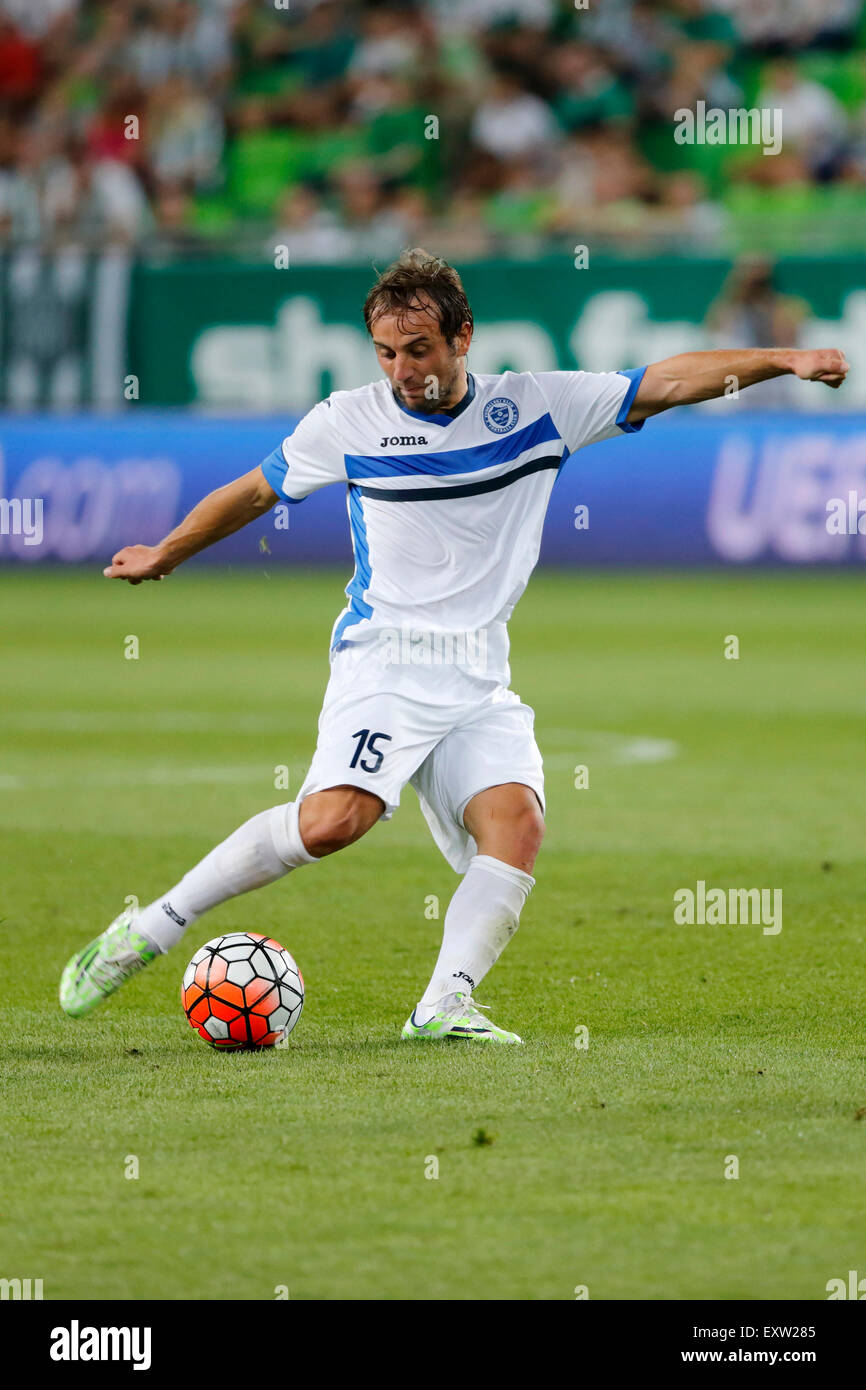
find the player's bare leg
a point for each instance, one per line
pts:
(332, 819)
(261, 851)
(507, 825)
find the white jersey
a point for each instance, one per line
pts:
(446, 510)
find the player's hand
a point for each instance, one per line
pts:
(821, 364)
(136, 563)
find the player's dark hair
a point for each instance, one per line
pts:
(397, 289)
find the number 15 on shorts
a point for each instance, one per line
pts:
(367, 744)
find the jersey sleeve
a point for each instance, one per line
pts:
(310, 458)
(588, 406)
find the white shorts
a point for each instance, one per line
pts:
(441, 728)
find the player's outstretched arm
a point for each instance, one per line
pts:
(701, 376)
(216, 516)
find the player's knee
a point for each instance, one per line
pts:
(332, 819)
(529, 832)
(523, 835)
(516, 838)
(507, 824)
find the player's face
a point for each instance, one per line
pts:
(426, 372)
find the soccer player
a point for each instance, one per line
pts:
(448, 475)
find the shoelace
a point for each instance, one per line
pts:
(469, 1007)
(113, 969)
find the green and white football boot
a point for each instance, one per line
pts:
(458, 1017)
(104, 965)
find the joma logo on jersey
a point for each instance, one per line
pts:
(403, 441)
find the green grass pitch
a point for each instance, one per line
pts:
(558, 1166)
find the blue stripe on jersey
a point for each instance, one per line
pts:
(275, 469)
(442, 493)
(358, 606)
(505, 450)
(635, 376)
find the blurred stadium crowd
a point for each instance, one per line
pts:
(346, 130)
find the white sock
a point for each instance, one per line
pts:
(259, 852)
(481, 919)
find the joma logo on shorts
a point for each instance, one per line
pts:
(403, 441)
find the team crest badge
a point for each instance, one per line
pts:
(500, 415)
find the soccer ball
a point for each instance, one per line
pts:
(242, 992)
